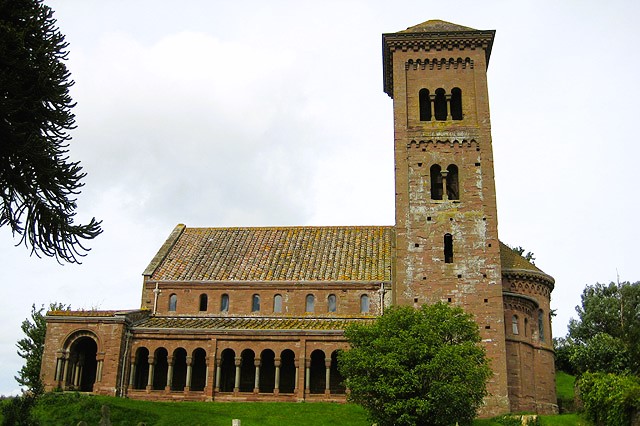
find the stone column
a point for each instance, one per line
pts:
(150, 378)
(448, 102)
(236, 384)
(218, 372)
(444, 174)
(65, 370)
(132, 374)
(256, 379)
(56, 376)
(327, 376)
(167, 388)
(276, 388)
(296, 364)
(307, 376)
(99, 371)
(187, 388)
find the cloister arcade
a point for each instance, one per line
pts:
(236, 373)
(78, 365)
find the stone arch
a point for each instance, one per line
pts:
(287, 371)
(160, 368)
(141, 373)
(226, 380)
(247, 370)
(317, 372)
(198, 369)
(267, 371)
(336, 380)
(82, 365)
(179, 374)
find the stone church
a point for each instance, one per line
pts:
(257, 314)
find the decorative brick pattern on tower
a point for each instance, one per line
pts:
(258, 314)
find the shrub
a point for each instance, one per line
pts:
(610, 399)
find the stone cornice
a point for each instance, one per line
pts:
(431, 41)
(451, 142)
(530, 275)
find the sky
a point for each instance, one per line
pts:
(255, 113)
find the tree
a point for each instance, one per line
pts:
(529, 256)
(607, 332)
(38, 182)
(417, 366)
(31, 347)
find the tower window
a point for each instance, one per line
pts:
(224, 303)
(440, 105)
(173, 303)
(310, 303)
(456, 103)
(448, 248)
(203, 302)
(425, 105)
(514, 324)
(453, 190)
(277, 303)
(331, 303)
(255, 303)
(541, 325)
(436, 182)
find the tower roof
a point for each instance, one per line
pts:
(430, 35)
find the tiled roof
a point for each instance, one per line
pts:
(509, 259)
(436, 25)
(248, 323)
(329, 253)
(83, 313)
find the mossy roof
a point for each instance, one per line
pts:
(509, 259)
(250, 323)
(327, 253)
(436, 26)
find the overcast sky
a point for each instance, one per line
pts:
(263, 113)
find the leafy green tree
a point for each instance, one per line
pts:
(38, 182)
(610, 399)
(612, 310)
(31, 347)
(529, 256)
(602, 353)
(417, 366)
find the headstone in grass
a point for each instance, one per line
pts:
(235, 422)
(106, 416)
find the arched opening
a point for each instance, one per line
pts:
(317, 377)
(277, 304)
(425, 105)
(336, 379)
(247, 371)
(287, 371)
(173, 303)
(255, 303)
(204, 301)
(179, 378)
(267, 371)
(526, 326)
(440, 105)
(448, 248)
(310, 303)
(141, 373)
(198, 369)
(453, 190)
(331, 303)
(541, 325)
(456, 103)
(364, 303)
(227, 370)
(224, 303)
(160, 368)
(436, 182)
(82, 357)
(514, 325)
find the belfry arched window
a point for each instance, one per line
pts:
(456, 103)
(448, 248)
(364, 303)
(425, 105)
(255, 303)
(453, 190)
(173, 303)
(436, 182)
(440, 105)
(514, 324)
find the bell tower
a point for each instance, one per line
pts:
(447, 245)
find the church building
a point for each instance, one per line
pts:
(258, 314)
